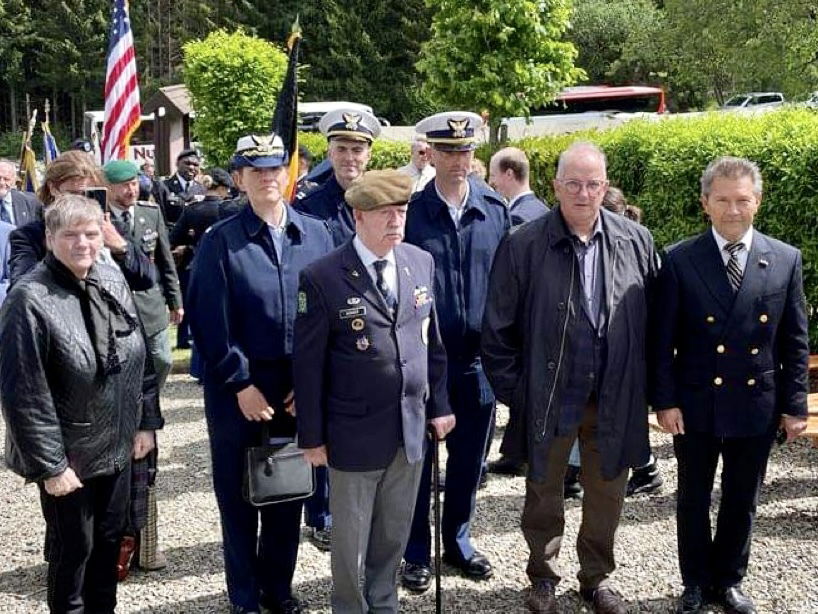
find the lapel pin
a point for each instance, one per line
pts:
(355, 273)
(762, 262)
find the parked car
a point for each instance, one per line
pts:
(310, 113)
(754, 100)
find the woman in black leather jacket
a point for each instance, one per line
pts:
(79, 397)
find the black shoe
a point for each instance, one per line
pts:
(645, 479)
(572, 489)
(321, 538)
(735, 601)
(288, 606)
(507, 466)
(477, 567)
(691, 601)
(416, 578)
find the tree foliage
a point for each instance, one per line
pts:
(234, 80)
(503, 56)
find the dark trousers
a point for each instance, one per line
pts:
(718, 560)
(85, 528)
(260, 544)
(543, 520)
(317, 506)
(183, 330)
(472, 402)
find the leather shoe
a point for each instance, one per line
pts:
(416, 578)
(542, 598)
(735, 601)
(691, 601)
(507, 466)
(604, 600)
(288, 606)
(477, 567)
(321, 539)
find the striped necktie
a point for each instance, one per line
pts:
(383, 287)
(734, 273)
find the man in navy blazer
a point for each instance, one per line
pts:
(729, 368)
(5, 250)
(370, 373)
(509, 174)
(16, 208)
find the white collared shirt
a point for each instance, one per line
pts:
(6, 204)
(277, 232)
(455, 210)
(742, 256)
(390, 273)
(514, 200)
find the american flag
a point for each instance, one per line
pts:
(122, 109)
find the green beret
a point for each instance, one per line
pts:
(120, 171)
(378, 189)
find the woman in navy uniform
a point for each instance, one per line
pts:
(243, 290)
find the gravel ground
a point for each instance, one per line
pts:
(782, 577)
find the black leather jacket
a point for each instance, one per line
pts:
(59, 410)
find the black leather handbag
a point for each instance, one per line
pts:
(275, 473)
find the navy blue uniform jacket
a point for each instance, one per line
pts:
(327, 202)
(462, 260)
(366, 382)
(740, 360)
(527, 208)
(242, 300)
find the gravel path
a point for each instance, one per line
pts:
(782, 578)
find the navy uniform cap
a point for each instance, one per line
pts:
(451, 130)
(260, 152)
(350, 124)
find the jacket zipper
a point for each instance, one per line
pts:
(562, 349)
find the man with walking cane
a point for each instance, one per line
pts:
(366, 315)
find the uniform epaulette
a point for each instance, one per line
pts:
(147, 203)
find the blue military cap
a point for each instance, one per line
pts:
(351, 124)
(451, 130)
(260, 152)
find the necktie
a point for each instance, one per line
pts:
(383, 287)
(734, 273)
(4, 213)
(126, 219)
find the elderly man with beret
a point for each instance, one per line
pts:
(370, 373)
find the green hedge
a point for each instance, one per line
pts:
(385, 154)
(658, 165)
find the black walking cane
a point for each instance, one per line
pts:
(436, 492)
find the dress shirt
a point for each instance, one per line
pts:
(456, 211)
(589, 259)
(742, 256)
(277, 232)
(390, 273)
(9, 208)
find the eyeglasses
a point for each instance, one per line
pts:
(574, 186)
(423, 152)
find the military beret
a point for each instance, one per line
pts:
(120, 171)
(451, 130)
(378, 189)
(186, 153)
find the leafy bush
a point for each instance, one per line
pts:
(658, 164)
(234, 80)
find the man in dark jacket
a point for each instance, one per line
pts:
(729, 356)
(509, 175)
(564, 347)
(16, 208)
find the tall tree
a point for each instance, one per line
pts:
(17, 35)
(502, 56)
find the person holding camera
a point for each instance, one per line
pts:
(75, 172)
(80, 401)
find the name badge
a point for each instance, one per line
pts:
(352, 312)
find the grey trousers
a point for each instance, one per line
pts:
(371, 517)
(162, 355)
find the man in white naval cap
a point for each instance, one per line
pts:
(350, 133)
(460, 221)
